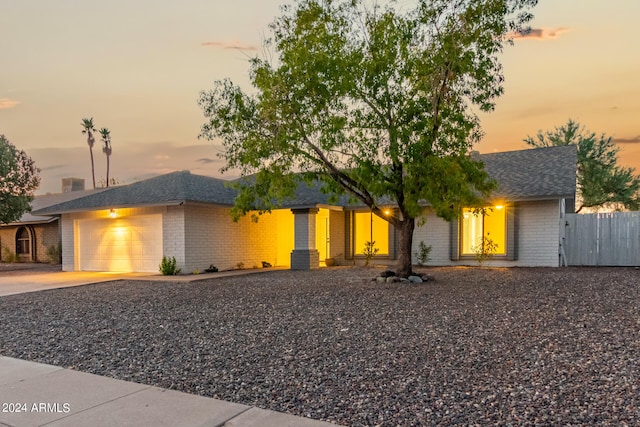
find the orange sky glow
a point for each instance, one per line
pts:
(137, 68)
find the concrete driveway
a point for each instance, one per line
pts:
(17, 282)
(19, 279)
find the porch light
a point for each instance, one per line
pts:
(499, 207)
(387, 212)
(112, 213)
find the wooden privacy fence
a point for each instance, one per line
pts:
(606, 239)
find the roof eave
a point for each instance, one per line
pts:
(114, 206)
(44, 220)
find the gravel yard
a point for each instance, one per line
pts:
(521, 346)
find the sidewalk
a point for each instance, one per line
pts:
(34, 394)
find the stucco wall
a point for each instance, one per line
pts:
(538, 237)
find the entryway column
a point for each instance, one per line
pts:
(305, 255)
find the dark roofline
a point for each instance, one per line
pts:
(44, 220)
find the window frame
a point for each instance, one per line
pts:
(355, 252)
(511, 236)
(484, 212)
(23, 242)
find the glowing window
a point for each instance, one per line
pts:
(369, 227)
(490, 225)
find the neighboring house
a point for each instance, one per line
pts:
(130, 228)
(31, 236)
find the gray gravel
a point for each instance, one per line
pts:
(475, 347)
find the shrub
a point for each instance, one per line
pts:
(485, 250)
(423, 254)
(54, 252)
(369, 251)
(212, 269)
(266, 264)
(168, 266)
(8, 255)
(240, 265)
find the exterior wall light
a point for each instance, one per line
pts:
(112, 213)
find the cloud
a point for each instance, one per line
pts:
(230, 45)
(542, 33)
(6, 103)
(206, 160)
(54, 167)
(634, 140)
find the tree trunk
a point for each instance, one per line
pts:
(107, 171)
(404, 247)
(93, 169)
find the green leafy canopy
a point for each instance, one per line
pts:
(601, 181)
(373, 101)
(18, 180)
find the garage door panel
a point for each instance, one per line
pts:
(122, 244)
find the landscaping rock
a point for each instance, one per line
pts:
(489, 347)
(415, 279)
(387, 273)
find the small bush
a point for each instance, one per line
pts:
(369, 251)
(240, 265)
(8, 255)
(266, 264)
(212, 269)
(485, 249)
(168, 266)
(423, 255)
(54, 252)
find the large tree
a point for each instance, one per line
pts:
(601, 181)
(19, 178)
(88, 128)
(375, 102)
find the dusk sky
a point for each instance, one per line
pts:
(137, 68)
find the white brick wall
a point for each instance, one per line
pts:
(173, 228)
(538, 236)
(211, 237)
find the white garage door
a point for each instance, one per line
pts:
(120, 244)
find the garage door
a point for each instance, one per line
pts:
(120, 244)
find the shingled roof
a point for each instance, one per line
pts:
(534, 174)
(164, 190)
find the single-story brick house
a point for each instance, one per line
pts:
(130, 228)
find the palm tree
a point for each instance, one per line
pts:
(88, 128)
(106, 148)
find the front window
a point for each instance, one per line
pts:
(370, 228)
(489, 223)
